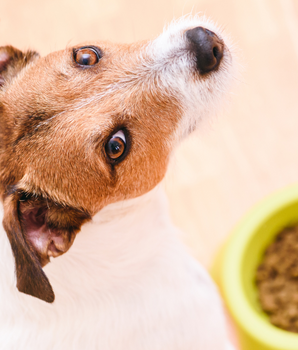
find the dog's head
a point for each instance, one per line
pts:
(92, 125)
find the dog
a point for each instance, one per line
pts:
(87, 134)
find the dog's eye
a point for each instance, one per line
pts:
(86, 56)
(116, 145)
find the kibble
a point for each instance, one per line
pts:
(277, 280)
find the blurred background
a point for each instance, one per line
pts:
(250, 149)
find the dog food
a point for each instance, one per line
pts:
(277, 280)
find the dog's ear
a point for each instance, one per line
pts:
(30, 277)
(12, 61)
(38, 229)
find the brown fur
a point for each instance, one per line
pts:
(52, 152)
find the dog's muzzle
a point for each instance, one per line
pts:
(207, 47)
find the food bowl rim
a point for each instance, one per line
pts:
(245, 315)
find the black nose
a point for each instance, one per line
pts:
(207, 47)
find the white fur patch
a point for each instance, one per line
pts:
(126, 284)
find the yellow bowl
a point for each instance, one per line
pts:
(236, 266)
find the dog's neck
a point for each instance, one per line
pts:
(123, 210)
(129, 227)
(121, 242)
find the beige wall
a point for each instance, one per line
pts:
(250, 150)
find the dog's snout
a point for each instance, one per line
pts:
(207, 47)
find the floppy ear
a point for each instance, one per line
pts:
(30, 277)
(37, 229)
(12, 61)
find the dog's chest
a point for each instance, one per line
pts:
(148, 314)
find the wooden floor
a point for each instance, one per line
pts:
(250, 149)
